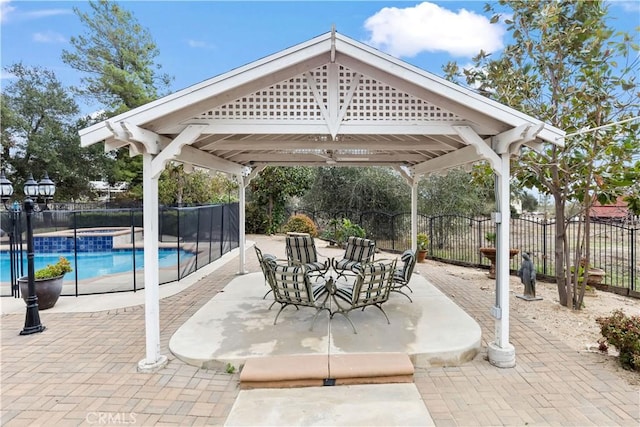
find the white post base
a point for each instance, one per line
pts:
(502, 357)
(145, 367)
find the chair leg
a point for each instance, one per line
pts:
(382, 310)
(265, 295)
(281, 308)
(316, 316)
(401, 292)
(346, 315)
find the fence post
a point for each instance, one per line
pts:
(222, 233)
(133, 246)
(393, 232)
(479, 228)
(544, 247)
(211, 213)
(431, 235)
(632, 264)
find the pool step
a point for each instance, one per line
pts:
(317, 370)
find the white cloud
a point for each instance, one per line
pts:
(43, 13)
(199, 44)
(49, 37)
(628, 6)
(431, 28)
(5, 10)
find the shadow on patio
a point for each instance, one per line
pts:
(237, 325)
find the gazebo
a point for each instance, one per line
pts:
(329, 101)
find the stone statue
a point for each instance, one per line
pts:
(527, 274)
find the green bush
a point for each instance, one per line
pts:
(622, 332)
(340, 231)
(422, 240)
(301, 223)
(54, 270)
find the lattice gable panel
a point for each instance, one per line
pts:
(294, 100)
(380, 102)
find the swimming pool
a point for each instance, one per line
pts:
(96, 264)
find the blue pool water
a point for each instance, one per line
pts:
(96, 264)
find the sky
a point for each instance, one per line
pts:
(198, 40)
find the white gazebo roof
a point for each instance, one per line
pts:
(330, 101)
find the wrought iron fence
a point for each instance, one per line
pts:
(105, 247)
(458, 239)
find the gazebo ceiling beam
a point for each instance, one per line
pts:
(372, 144)
(449, 160)
(318, 127)
(397, 158)
(208, 161)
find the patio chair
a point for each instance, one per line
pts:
(291, 285)
(371, 288)
(402, 276)
(263, 267)
(358, 251)
(301, 249)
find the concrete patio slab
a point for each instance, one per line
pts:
(353, 405)
(237, 324)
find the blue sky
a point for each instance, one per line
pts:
(200, 39)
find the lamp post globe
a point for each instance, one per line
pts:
(30, 187)
(46, 188)
(6, 188)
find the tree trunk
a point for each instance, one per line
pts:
(561, 278)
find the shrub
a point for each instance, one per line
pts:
(54, 270)
(622, 332)
(347, 229)
(301, 223)
(422, 240)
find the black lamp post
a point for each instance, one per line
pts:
(46, 189)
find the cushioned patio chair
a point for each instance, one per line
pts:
(292, 285)
(402, 276)
(358, 251)
(263, 267)
(301, 249)
(371, 288)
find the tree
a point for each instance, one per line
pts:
(567, 67)
(270, 191)
(117, 57)
(177, 187)
(357, 189)
(529, 202)
(40, 134)
(456, 192)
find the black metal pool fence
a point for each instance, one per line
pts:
(457, 239)
(206, 233)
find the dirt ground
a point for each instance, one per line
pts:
(577, 328)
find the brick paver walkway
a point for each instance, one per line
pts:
(82, 371)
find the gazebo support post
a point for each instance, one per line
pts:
(414, 215)
(153, 360)
(501, 352)
(241, 219)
